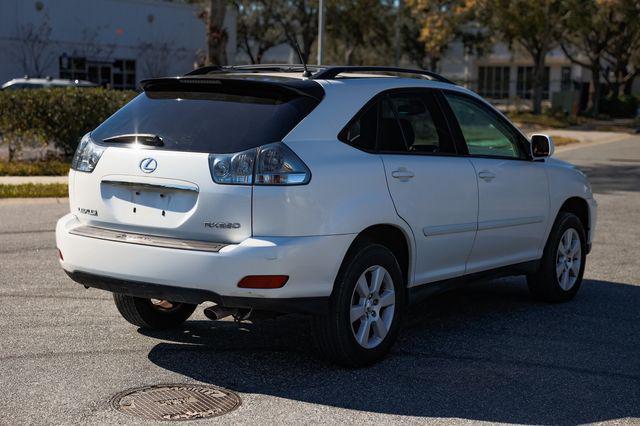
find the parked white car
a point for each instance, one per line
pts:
(27, 82)
(346, 195)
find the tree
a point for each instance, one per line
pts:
(536, 26)
(258, 28)
(299, 21)
(589, 31)
(437, 23)
(623, 49)
(359, 30)
(157, 55)
(213, 13)
(32, 50)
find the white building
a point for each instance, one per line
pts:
(110, 42)
(504, 74)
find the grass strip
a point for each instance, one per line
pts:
(563, 140)
(34, 190)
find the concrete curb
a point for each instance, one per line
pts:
(17, 180)
(32, 201)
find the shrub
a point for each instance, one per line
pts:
(59, 115)
(625, 106)
(34, 168)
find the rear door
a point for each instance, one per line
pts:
(513, 190)
(433, 189)
(154, 176)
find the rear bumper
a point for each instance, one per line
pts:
(311, 263)
(304, 305)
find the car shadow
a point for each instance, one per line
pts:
(486, 353)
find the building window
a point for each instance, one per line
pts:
(119, 74)
(493, 82)
(565, 78)
(73, 68)
(124, 74)
(524, 86)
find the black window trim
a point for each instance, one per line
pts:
(521, 139)
(385, 94)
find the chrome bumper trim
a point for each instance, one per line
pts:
(153, 186)
(146, 240)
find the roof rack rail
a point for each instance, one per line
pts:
(332, 72)
(321, 72)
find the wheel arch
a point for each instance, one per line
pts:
(394, 238)
(580, 208)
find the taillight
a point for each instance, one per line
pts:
(233, 168)
(272, 164)
(278, 165)
(87, 155)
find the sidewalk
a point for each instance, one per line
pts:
(585, 137)
(17, 180)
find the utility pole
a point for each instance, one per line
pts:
(320, 32)
(397, 41)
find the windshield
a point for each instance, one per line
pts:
(223, 121)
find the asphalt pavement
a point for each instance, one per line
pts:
(483, 354)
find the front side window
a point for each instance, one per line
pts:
(484, 133)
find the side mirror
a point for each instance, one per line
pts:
(541, 146)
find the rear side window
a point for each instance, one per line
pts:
(391, 134)
(422, 125)
(407, 122)
(225, 120)
(362, 132)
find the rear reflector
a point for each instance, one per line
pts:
(263, 281)
(60, 255)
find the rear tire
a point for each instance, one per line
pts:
(562, 266)
(144, 313)
(365, 308)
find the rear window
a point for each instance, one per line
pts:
(225, 119)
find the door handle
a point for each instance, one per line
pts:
(486, 176)
(402, 173)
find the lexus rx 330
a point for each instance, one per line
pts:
(346, 194)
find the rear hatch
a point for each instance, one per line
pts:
(153, 175)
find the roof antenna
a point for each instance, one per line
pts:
(306, 72)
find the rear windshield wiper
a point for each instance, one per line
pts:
(141, 138)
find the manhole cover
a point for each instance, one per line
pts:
(176, 402)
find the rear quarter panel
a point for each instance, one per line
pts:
(347, 193)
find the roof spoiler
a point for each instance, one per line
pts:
(211, 83)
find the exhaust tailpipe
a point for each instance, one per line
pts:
(217, 312)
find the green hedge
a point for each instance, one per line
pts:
(34, 168)
(60, 116)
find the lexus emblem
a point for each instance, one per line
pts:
(148, 165)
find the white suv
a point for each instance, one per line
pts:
(345, 194)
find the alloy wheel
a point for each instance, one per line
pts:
(372, 306)
(568, 259)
